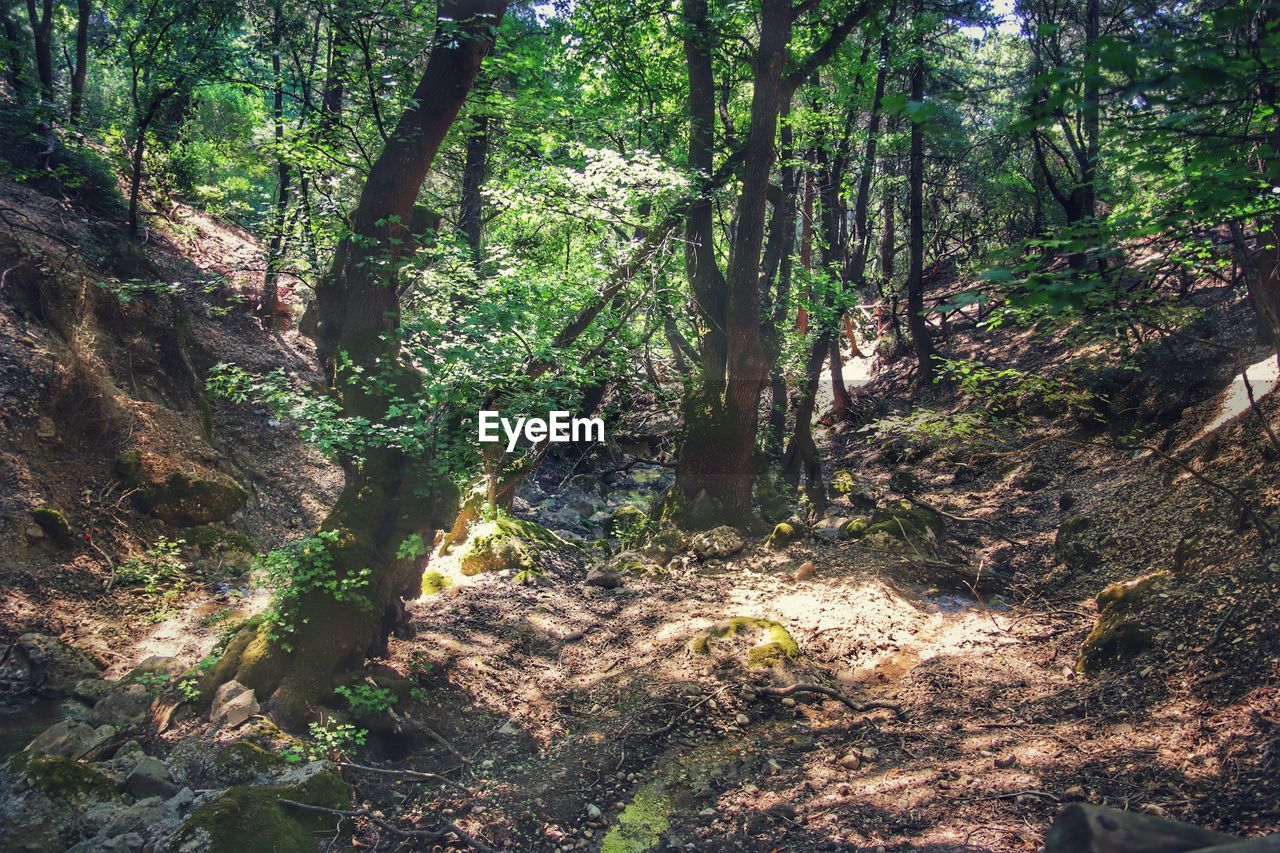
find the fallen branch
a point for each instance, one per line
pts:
(406, 774)
(783, 692)
(387, 826)
(995, 528)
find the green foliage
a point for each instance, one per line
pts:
(131, 289)
(159, 572)
(300, 569)
(366, 700)
(330, 740)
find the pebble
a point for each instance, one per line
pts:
(852, 761)
(1006, 761)
(788, 702)
(742, 720)
(593, 812)
(805, 571)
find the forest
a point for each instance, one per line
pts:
(635, 425)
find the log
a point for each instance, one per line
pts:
(1084, 828)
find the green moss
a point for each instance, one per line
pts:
(855, 528)
(784, 533)
(209, 537)
(843, 482)
(641, 824)
(128, 464)
(252, 818)
(507, 544)
(52, 522)
(246, 755)
(182, 499)
(777, 645)
(899, 524)
(628, 523)
(434, 583)
(1119, 633)
(62, 778)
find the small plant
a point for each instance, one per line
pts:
(303, 567)
(365, 700)
(328, 740)
(190, 689)
(160, 572)
(130, 289)
(153, 681)
(529, 576)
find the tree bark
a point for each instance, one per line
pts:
(80, 75)
(919, 330)
(721, 416)
(270, 308)
(388, 496)
(470, 215)
(13, 35)
(41, 20)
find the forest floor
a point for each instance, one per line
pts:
(576, 717)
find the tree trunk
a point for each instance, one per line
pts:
(81, 73)
(721, 417)
(41, 20)
(470, 216)
(13, 35)
(270, 308)
(915, 214)
(389, 496)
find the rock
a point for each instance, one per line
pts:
(45, 429)
(788, 702)
(155, 665)
(904, 482)
(125, 706)
(900, 527)
(1004, 762)
(1031, 478)
(1075, 792)
(187, 498)
(507, 544)
(593, 812)
(717, 543)
(784, 533)
(628, 523)
(42, 797)
(742, 720)
(663, 546)
(851, 761)
(603, 577)
(150, 778)
(91, 690)
(233, 703)
(52, 667)
(1120, 632)
(1066, 501)
(776, 647)
(71, 739)
(53, 523)
(804, 572)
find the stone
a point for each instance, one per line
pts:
(593, 812)
(784, 533)
(1071, 545)
(126, 705)
(1004, 762)
(150, 778)
(71, 739)
(91, 690)
(53, 523)
(603, 577)
(53, 667)
(1121, 631)
(189, 499)
(804, 572)
(851, 761)
(233, 704)
(717, 543)
(665, 545)
(742, 720)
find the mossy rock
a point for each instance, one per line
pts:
(664, 545)
(717, 543)
(211, 539)
(62, 778)
(628, 523)
(776, 647)
(434, 583)
(633, 563)
(250, 817)
(507, 544)
(1120, 633)
(128, 465)
(785, 533)
(901, 527)
(247, 759)
(53, 523)
(191, 500)
(773, 502)
(843, 482)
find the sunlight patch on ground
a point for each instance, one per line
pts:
(1262, 377)
(857, 372)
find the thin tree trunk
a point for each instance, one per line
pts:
(470, 216)
(915, 203)
(13, 35)
(270, 308)
(41, 20)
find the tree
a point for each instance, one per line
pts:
(390, 497)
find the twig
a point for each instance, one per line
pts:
(407, 774)
(429, 834)
(783, 692)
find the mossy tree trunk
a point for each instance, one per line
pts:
(388, 495)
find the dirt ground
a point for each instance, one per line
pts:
(574, 717)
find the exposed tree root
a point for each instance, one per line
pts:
(387, 826)
(783, 692)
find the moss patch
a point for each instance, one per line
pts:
(61, 778)
(784, 533)
(252, 818)
(628, 523)
(1120, 634)
(52, 522)
(506, 543)
(210, 538)
(183, 499)
(434, 583)
(777, 644)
